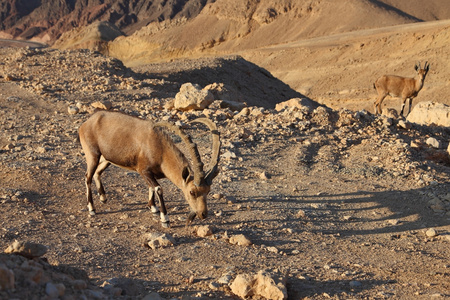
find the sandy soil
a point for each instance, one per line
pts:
(340, 202)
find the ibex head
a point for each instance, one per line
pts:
(422, 72)
(196, 184)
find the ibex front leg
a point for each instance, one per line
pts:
(156, 192)
(103, 164)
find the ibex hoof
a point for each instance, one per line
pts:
(92, 212)
(103, 199)
(166, 224)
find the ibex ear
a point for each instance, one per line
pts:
(186, 174)
(416, 67)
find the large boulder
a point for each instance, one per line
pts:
(192, 97)
(427, 113)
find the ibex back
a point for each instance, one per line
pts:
(396, 86)
(136, 144)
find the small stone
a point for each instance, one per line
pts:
(229, 155)
(240, 239)
(102, 105)
(431, 232)
(204, 231)
(214, 285)
(224, 279)
(272, 249)
(433, 142)
(157, 240)
(73, 110)
(27, 249)
(301, 214)
(355, 283)
(404, 124)
(263, 175)
(393, 222)
(51, 290)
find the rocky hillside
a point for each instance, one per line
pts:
(230, 26)
(310, 202)
(45, 21)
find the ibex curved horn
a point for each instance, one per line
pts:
(199, 174)
(215, 149)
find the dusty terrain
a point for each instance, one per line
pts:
(340, 202)
(345, 204)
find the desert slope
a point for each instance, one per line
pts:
(230, 26)
(339, 70)
(46, 21)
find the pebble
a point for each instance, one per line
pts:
(73, 110)
(431, 232)
(225, 279)
(214, 285)
(355, 283)
(433, 142)
(51, 290)
(240, 239)
(204, 231)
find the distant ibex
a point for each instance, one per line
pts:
(396, 86)
(135, 144)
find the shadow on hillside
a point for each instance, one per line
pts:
(391, 212)
(254, 85)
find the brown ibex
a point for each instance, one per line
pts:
(136, 144)
(396, 86)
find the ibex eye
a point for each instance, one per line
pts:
(192, 193)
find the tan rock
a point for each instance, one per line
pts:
(270, 286)
(204, 231)
(157, 240)
(240, 239)
(27, 249)
(263, 284)
(192, 97)
(242, 285)
(427, 113)
(295, 104)
(102, 105)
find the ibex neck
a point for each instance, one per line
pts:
(172, 167)
(419, 83)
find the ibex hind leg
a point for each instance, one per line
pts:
(97, 179)
(377, 104)
(92, 163)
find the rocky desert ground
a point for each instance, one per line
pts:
(317, 197)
